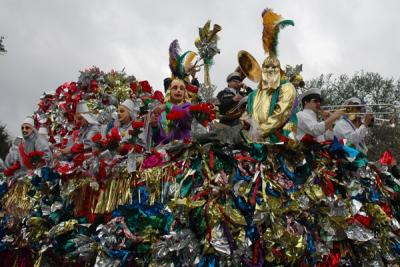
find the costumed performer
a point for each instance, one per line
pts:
(88, 126)
(33, 150)
(271, 107)
(173, 120)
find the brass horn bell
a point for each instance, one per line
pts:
(248, 66)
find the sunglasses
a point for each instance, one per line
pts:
(25, 127)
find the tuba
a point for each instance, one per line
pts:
(248, 68)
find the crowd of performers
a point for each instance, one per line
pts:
(134, 177)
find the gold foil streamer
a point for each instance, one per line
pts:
(80, 192)
(234, 215)
(377, 213)
(37, 228)
(63, 228)
(187, 202)
(314, 192)
(16, 201)
(154, 178)
(118, 192)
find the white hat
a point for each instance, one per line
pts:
(128, 104)
(234, 75)
(312, 91)
(89, 118)
(29, 120)
(82, 107)
(43, 130)
(354, 100)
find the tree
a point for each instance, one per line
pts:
(371, 88)
(2, 48)
(4, 141)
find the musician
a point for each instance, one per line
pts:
(353, 128)
(230, 97)
(308, 124)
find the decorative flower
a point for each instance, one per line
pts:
(36, 157)
(134, 87)
(137, 124)
(145, 86)
(158, 96)
(97, 138)
(191, 88)
(153, 160)
(175, 115)
(204, 113)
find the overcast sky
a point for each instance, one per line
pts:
(48, 42)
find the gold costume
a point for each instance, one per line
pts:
(282, 111)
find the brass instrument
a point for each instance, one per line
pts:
(248, 68)
(387, 113)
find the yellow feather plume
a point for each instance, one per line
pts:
(188, 60)
(272, 23)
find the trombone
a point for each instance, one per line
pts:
(349, 109)
(387, 113)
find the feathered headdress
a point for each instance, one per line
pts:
(180, 64)
(273, 23)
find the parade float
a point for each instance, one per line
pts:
(206, 200)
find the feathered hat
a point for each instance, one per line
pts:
(180, 64)
(272, 23)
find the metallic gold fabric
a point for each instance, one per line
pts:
(262, 101)
(16, 201)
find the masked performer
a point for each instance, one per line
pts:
(271, 107)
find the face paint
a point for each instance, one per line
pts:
(123, 114)
(26, 129)
(177, 91)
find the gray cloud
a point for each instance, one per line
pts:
(48, 42)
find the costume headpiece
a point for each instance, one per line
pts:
(180, 64)
(43, 130)
(83, 109)
(131, 107)
(272, 23)
(29, 120)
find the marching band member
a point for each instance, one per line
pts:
(352, 128)
(308, 123)
(230, 97)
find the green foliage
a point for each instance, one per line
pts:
(371, 88)
(4, 141)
